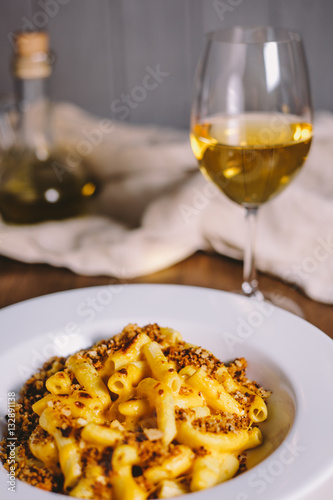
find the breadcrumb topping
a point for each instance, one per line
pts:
(146, 438)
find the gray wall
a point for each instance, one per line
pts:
(107, 48)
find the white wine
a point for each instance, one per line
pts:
(252, 156)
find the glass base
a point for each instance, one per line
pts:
(275, 298)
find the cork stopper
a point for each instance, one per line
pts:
(27, 44)
(32, 56)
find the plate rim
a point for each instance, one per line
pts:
(232, 296)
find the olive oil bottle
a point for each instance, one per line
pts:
(36, 181)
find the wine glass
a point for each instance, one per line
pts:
(251, 120)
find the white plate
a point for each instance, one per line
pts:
(285, 354)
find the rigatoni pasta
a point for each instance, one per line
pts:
(141, 415)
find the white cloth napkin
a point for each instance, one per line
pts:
(157, 209)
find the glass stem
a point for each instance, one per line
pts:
(250, 282)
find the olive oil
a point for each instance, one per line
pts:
(36, 181)
(34, 190)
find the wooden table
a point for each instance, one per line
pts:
(19, 281)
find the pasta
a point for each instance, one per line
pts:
(141, 415)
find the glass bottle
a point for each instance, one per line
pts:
(36, 183)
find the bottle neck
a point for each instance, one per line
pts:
(33, 110)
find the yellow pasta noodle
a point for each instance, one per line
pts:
(77, 404)
(161, 397)
(257, 408)
(59, 383)
(101, 435)
(135, 407)
(177, 464)
(172, 335)
(213, 469)
(171, 488)
(69, 452)
(188, 397)
(161, 369)
(123, 381)
(89, 483)
(45, 449)
(124, 485)
(89, 378)
(214, 393)
(128, 353)
(231, 441)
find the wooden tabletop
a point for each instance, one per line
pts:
(19, 281)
